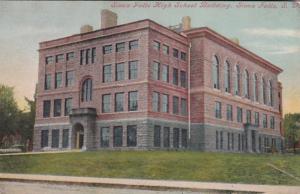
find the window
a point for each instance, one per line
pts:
(175, 104)
(68, 106)
(44, 138)
(183, 56)
(46, 108)
(183, 79)
(106, 103)
(133, 101)
(58, 79)
(156, 136)
(70, 56)
(156, 45)
(55, 138)
(255, 88)
(107, 73)
(264, 91)
(86, 90)
(232, 141)
(228, 141)
(227, 77)
(218, 110)
(176, 138)
(87, 56)
(165, 49)
(155, 102)
(237, 80)
(47, 81)
(59, 58)
(65, 138)
(265, 121)
(175, 53)
(49, 60)
(156, 71)
(184, 138)
(70, 78)
(120, 47)
(272, 122)
(166, 137)
(239, 142)
(217, 140)
(104, 137)
(93, 54)
(165, 103)
(239, 114)
(131, 135)
(165, 73)
(107, 49)
(82, 57)
(221, 140)
(118, 136)
(133, 70)
(57, 108)
(229, 113)
(256, 118)
(246, 84)
(183, 107)
(248, 116)
(119, 102)
(271, 100)
(134, 44)
(175, 76)
(119, 71)
(215, 72)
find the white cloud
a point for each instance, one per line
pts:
(280, 32)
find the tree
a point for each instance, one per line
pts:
(292, 129)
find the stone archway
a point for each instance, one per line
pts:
(78, 136)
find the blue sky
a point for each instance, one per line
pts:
(272, 33)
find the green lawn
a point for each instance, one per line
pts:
(193, 166)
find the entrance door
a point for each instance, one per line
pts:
(80, 141)
(78, 136)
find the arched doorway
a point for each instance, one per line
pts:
(78, 136)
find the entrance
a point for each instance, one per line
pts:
(78, 136)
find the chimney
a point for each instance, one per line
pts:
(86, 28)
(186, 23)
(235, 40)
(108, 18)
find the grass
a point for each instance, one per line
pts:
(172, 165)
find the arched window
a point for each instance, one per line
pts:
(264, 90)
(237, 86)
(271, 93)
(227, 76)
(86, 90)
(246, 84)
(215, 72)
(255, 88)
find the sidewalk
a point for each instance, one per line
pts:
(149, 184)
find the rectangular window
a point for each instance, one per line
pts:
(229, 112)
(155, 102)
(265, 121)
(120, 47)
(44, 138)
(70, 56)
(239, 142)
(183, 79)
(119, 102)
(175, 105)
(166, 137)
(107, 73)
(228, 141)
(176, 138)
(157, 136)
(57, 108)
(183, 56)
(165, 49)
(165, 73)
(70, 78)
(272, 122)
(239, 115)
(65, 140)
(183, 107)
(119, 71)
(59, 58)
(93, 54)
(133, 101)
(46, 108)
(134, 44)
(118, 136)
(68, 106)
(175, 53)
(221, 140)
(184, 138)
(248, 116)
(87, 56)
(58, 79)
(49, 60)
(106, 103)
(256, 117)
(156, 45)
(131, 135)
(165, 103)
(133, 70)
(107, 49)
(218, 110)
(104, 137)
(175, 76)
(156, 71)
(47, 81)
(217, 140)
(82, 57)
(55, 138)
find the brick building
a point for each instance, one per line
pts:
(145, 86)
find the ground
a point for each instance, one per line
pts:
(169, 165)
